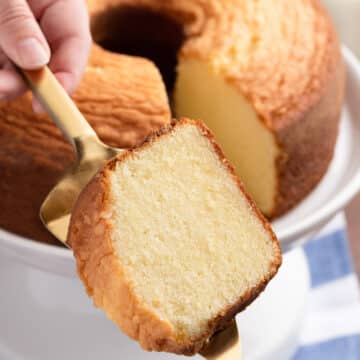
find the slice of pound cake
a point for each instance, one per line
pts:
(168, 243)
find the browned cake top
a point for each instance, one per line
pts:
(279, 54)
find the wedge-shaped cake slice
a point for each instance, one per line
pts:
(168, 243)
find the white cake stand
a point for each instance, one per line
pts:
(45, 314)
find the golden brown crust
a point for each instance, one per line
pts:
(101, 272)
(308, 145)
(30, 165)
(122, 97)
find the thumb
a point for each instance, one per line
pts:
(21, 38)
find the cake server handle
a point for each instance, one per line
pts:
(224, 345)
(58, 104)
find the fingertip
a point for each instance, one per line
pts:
(31, 54)
(22, 39)
(37, 107)
(67, 80)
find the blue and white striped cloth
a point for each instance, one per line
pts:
(331, 329)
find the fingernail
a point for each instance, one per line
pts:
(31, 53)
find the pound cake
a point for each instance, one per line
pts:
(266, 76)
(168, 243)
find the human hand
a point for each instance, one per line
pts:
(34, 33)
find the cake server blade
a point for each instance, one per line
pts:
(224, 345)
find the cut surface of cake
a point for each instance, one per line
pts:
(245, 139)
(168, 243)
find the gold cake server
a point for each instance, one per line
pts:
(91, 155)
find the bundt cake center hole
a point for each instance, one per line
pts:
(141, 32)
